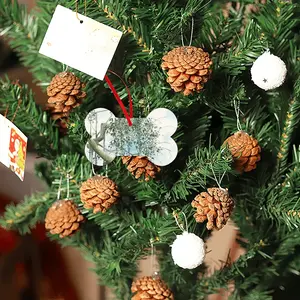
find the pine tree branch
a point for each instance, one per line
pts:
(244, 50)
(232, 273)
(113, 11)
(201, 168)
(79, 169)
(116, 252)
(278, 21)
(277, 197)
(24, 33)
(291, 121)
(23, 216)
(19, 102)
(99, 250)
(148, 24)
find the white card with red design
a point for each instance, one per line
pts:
(80, 42)
(13, 147)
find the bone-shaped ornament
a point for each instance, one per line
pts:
(150, 136)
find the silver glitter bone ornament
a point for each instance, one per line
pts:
(150, 136)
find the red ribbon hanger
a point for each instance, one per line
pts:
(127, 115)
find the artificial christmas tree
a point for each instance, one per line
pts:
(266, 199)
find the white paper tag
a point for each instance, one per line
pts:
(13, 147)
(88, 46)
(111, 137)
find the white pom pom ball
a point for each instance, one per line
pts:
(188, 251)
(268, 71)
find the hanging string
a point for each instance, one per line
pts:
(65, 68)
(175, 215)
(59, 188)
(192, 32)
(152, 256)
(93, 170)
(81, 172)
(222, 177)
(15, 113)
(237, 113)
(128, 93)
(14, 116)
(6, 111)
(127, 115)
(218, 182)
(76, 10)
(181, 33)
(68, 186)
(215, 177)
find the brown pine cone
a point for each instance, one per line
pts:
(245, 151)
(99, 193)
(140, 165)
(64, 94)
(150, 288)
(188, 69)
(63, 218)
(215, 206)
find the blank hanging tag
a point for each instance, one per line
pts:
(80, 42)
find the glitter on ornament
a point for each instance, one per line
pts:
(188, 250)
(268, 71)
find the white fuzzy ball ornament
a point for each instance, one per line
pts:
(188, 250)
(268, 71)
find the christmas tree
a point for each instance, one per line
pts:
(219, 67)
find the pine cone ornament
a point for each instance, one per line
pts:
(99, 193)
(215, 206)
(140, 165)
(245, 151)
(64, 94)
(63, 218)
(150, 288)
(188, 69)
